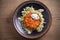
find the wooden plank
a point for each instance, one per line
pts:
(7, 30)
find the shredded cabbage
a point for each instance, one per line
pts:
(27, 10)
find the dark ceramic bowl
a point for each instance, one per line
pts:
(37, 5)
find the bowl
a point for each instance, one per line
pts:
(37, 5)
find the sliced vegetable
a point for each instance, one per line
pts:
(40, 10)
(29, 22)
(28, 30)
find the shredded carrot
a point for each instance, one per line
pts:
(31, 23)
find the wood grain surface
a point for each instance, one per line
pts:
(7, 30)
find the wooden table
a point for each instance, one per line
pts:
(7, 30)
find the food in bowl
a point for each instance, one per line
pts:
(32, 19)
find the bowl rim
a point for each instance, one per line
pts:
(22, 4)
